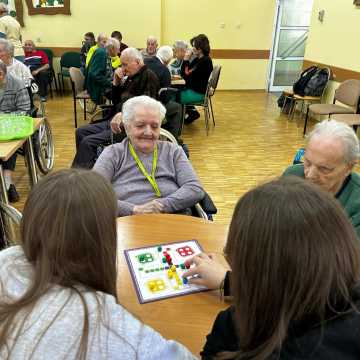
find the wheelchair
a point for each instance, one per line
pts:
(10, 219)
(42, 139)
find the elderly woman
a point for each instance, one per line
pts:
(148, 175)
(180, 48)
(196, 74)
(14, 67)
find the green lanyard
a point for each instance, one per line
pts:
(151, 178)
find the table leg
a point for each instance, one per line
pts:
(29, 153)
(3, 190)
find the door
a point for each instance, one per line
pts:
(292, 27)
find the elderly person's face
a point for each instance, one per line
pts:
(130, 65)
(102, 41)
(113, 51)
(151, 46)
(29, 46)
(144, 130)
(324, 163)
(179, 53)
(4, 55)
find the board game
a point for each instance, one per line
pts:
(157, 271)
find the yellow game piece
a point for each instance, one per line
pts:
(173, 268)
(170, 274)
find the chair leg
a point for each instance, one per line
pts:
(75, 116)
(206, 114)
(292, 109)
(183, 106)
(306, 120)
(60, 89)
(56, 84)
(212, 113)
(84, 109)
(62, 84)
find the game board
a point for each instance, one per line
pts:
(157, 271)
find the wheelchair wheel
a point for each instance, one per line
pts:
(10, 219)
(44, 147)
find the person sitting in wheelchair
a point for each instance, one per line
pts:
(148, 175)
(14, 99)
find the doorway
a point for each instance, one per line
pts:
(291, 32)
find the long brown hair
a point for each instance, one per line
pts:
(293, 254)
(68, 234)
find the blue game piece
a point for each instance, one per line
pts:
(185, 280)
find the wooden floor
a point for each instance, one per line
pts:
(251, 143)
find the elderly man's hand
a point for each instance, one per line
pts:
(118, 76)
(116, 123)
(34, 72)
(152, 207)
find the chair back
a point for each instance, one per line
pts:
(212, 83)
(167, 136)
(70, 59)
(348, 93)
(77, 78)
(49, 54)
(214, 78)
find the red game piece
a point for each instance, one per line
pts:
(187, 264)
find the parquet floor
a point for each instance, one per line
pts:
(251, 143)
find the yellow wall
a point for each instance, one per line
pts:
(230, 24)
(334, 41)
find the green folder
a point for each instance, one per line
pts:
(14, 127)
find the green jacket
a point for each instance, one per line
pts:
(98, 75)
(349, 196)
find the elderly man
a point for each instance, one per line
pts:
(38, 63)
(14, 67)
(148, 175)
(159, 65)
(332, 151)
(14, 98)
(151, 47)
(10, 29)
(99, 74)
(180, 48)
(132, 79)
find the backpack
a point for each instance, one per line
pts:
(305, 76)
(317, 83)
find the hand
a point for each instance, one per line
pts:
(208, 271)
(118, 76)
(188, 54)
(34, 72)
(116, 123)
(152, 207)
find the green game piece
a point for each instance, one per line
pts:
(146, 271)
(159, 248)
(161, 268)
(141, 269)
(182, 266)
(164, 260)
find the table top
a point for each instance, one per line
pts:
(186, 319)
(176, 81)
(8, 148)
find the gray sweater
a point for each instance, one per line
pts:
(177, 181)
(117, 335)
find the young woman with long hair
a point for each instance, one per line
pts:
(58, 288)
(295, 264)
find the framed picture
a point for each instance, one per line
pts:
(48, 7)
(357, 2)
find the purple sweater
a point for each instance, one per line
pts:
(177, 181)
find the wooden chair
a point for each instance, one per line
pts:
(207, 103)
(347, 93)
(308, 100)
(77, 86)
(352, 120)
(67, 60)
